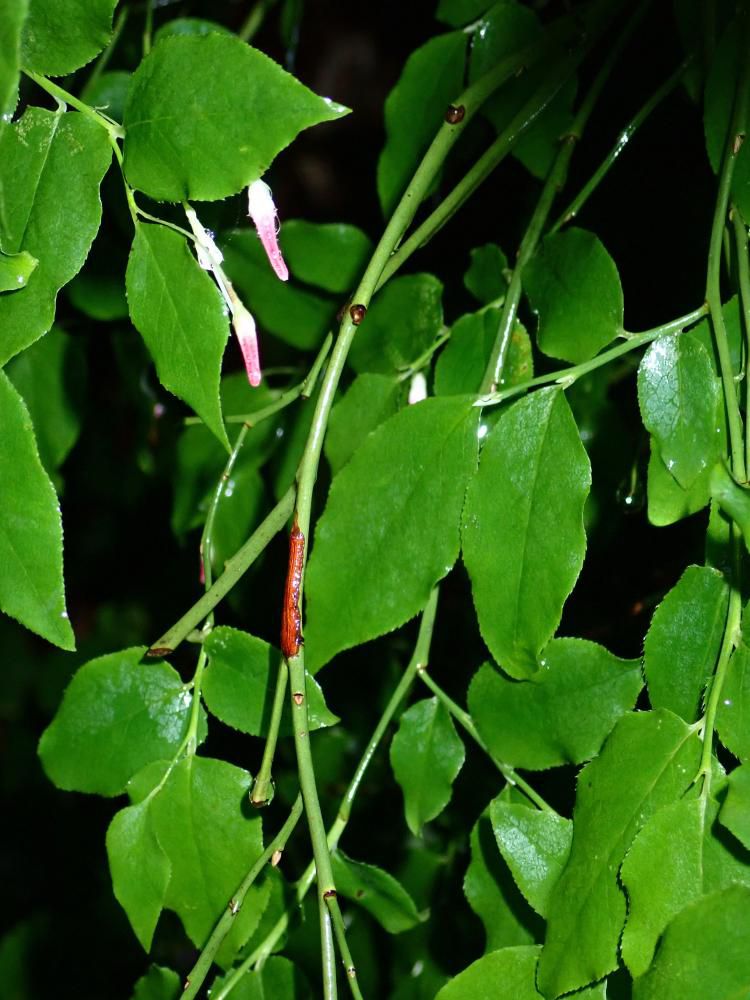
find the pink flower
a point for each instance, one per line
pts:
(244, 327)
(262, 211)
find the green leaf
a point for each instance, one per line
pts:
(190, 26)
(523, 537)
(140, 869)
(415, 109)
(705, 946)
(675, 859)
(735, 812)
(679, 396)
(492, 894)
(535, 845)
(368, 402)
(457, 13)
(240, 681)
(276, 979)
(330, 256)
(463, 361)
(375, 891)
(718, 101)
(508, 974)
(31, 570)
(668, 502)
(211, 838)
(683, 641)
(15, 270)
(649, 760)
(293, 314)
(62, 35)
(733, 499)
(50, 376)
(485, 278)
(239, 510)
(401, 324)
(12, 17)
(117, 715)
(158, 984)
(178, 310)
(390, 528)
(563, 714)
(573, 285)
(206, 115)
(52, 165)
(734, 708)
(426, 756)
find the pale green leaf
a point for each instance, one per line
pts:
(375, 891)
(733, 716)
(367, 403)
(178, 310)
(735, 812)
(523, 537)
(15, 270)
(31, 557)
(117, 715)
(12, 16)
(62, 35)
(508, 974)
(563, 713)
(649, 761)
(683, 641)
(189, 26)
(207, 114)
(668, 502)
(426, 756)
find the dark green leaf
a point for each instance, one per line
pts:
(523, 537)
(62, 35)
(456, 13)
(15, 270)
(49, 206)
(563, 714)
(50, 377)
(293, 314)
(650, 760)
(207, 114)
(679, 396)
(426, 756)
(684, 639)
(573, 285)
(368, 402)
(401, 324)
(240, 682)
(201, 819)
(705, 947)
(118, 714)
(12, 16)
(734, 707)
(703, 332)
(158, 984)
(733, 499)
(462, 363)
(719, 96)
(108, 93)
(330, 256)
(31, 570)
(140, 869)
(238, 511)
(277, 979)
(390, 528)
(535, 845)
(485, 278)
(376, 891)
(415, 108)
(668, 502)
(735, 813)
(178, 310)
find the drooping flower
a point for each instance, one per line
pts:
(262, 211)
(244, 327)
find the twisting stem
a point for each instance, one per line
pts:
(735, 138)
(55, 90)
(198, 973)
(743, 274)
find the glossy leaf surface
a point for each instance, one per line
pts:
(12, 14)
(650, 760)
(563, 714)
(668, 502)
(118, 715)
(683, 641)
(462, 363)
(368, 402)
(53, 165)
(573, 285)
(523, 538)
(31, 559)
(206, 115)
(178, 310)
(390, 528)
(62, 35)
(507, 974)
(15, 270)
(376, 891)
(426, 756)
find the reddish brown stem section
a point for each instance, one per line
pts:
(291, 619)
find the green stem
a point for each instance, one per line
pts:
(620, 143)
(553, 184)
(234, 568)
(54, 90)
(195, 707)
(198, 973)
(260, 795)
(465, 720)
(419, 658)
(743, 274)
(148, 28)
(339, 930)
(567, 376)
(735, 137)
(255, 19)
